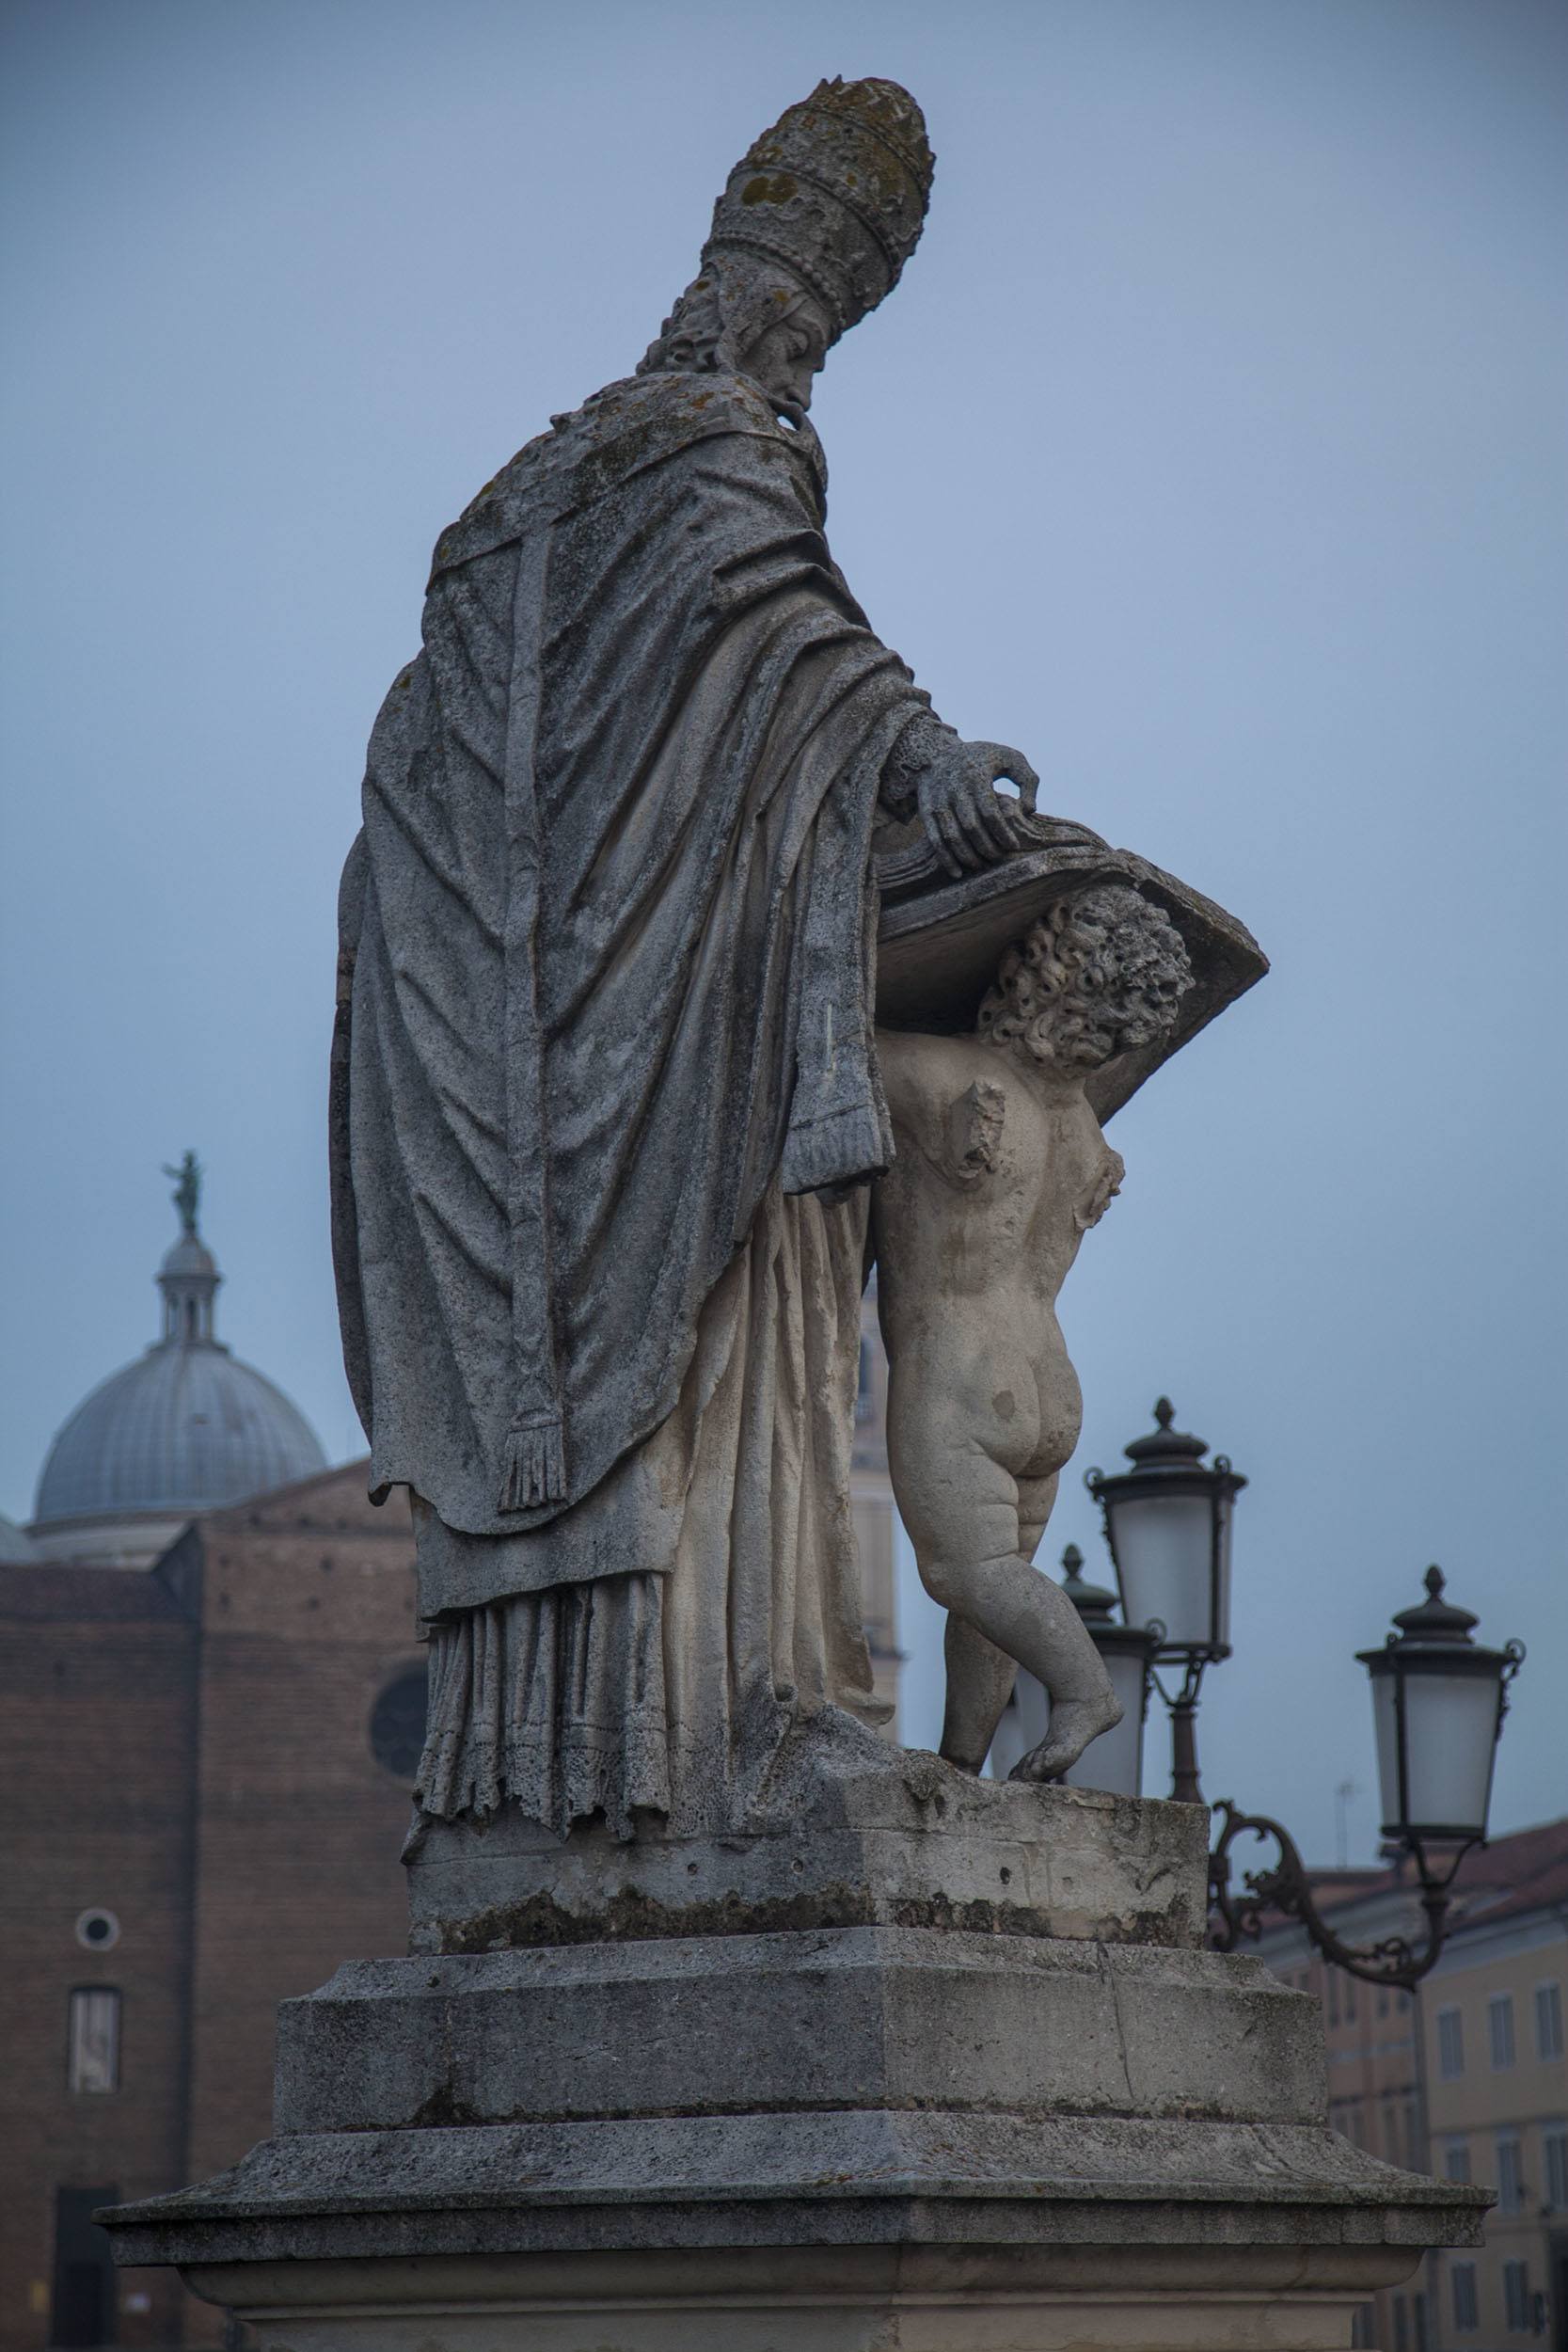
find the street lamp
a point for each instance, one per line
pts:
(1115, 1761)
(1167, 1522)
(1438, 1698)
(1438, 1703)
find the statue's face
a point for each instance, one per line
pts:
(787, 354)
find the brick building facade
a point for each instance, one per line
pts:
(210, 1719)
(205, 1827)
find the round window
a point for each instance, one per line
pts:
(397, 1723)
(99, 1930)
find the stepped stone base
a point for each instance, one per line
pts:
(872, 2299)
(1003, 2103)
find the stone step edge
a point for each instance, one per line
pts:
(875, 2155)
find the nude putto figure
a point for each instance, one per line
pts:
(1001, 1168)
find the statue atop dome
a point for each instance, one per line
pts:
(187, 1190)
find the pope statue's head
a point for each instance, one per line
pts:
(812, 230)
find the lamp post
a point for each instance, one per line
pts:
(1168, 1523)
(1438, 1698)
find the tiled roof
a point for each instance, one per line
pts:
(1526, 1871)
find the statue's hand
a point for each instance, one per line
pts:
(968, 823)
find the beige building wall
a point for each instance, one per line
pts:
(1466, 2079)
(1493, 2017)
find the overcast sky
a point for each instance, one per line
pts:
(1211, 449)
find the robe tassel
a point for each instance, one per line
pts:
(536, 1465)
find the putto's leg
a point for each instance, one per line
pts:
(1037, 1499)
(980, 1680)
(961, 1508)
(980, 1676)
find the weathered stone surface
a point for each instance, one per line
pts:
(825, 2179)
(852, 1832)
(850, 2017)
(1092, 2142)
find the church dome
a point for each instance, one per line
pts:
(186, 1428)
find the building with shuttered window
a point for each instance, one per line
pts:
(1466, 2078)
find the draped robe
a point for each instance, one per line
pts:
(605, 1024)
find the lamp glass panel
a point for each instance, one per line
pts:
(1222, 1590)
(1163, 1557)
(1451, 1735)
(1385, 1727)
(1115, 1761)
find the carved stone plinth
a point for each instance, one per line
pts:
(847, 1833)
(950, 2119)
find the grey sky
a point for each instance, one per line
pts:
(1211, 449)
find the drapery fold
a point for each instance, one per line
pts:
(607, 968)
(668, 1693)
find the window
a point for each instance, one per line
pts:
(398, 1721)
(1401, 2324)
(92, 2041)
(1450, 2043)
(1456, 2159)
(1418, 2321)
(1331, 1991)
(1390, 2129)
(1350, 2000)
(1510, 2179)
(1499, 2024)
(1466, 2309)
(1516, 2294)
(1383, 2000)
(1363, 2327)
(1548, 2021)
(1554, 2166)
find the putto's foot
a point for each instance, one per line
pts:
(1072, 1727)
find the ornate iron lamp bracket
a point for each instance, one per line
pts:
(1238, 1914)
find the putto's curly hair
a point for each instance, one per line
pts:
(1100, 974)
(720, 315)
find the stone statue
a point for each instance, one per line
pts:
(723, 2019)
(1000, 1168)
(187, 1190)
(605, 1092)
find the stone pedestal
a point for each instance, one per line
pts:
(913, 2062)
